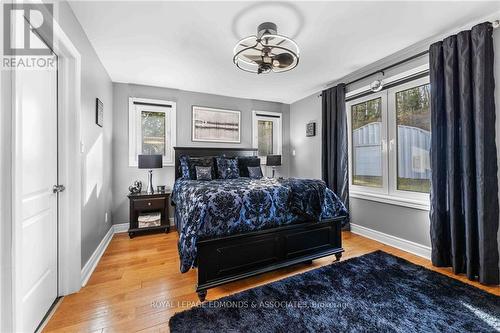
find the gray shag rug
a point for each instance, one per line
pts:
(376, 292)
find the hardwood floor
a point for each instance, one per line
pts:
(137, 285)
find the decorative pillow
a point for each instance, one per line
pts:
(255, 172)
(189, 164)
(184, 167)
(203, 173)
(227, 168)
(247, 161)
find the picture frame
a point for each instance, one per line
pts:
(215, 125)
(99, 112)
(311, 129)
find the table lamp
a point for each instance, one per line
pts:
(273, 161)
(150, 162)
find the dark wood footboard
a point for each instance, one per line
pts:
(228, 259)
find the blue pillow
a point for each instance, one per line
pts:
(227, 168)
(188, 165)
(203, 173)
(247, 161)
(255, 172)
(184, 167)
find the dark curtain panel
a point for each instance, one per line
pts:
(464, 193)
(334, 143)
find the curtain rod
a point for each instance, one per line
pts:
(390, 66)
(386, 68)
(495, 24)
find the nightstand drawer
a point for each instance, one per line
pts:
(152, 203)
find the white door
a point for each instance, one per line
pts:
(36, 204)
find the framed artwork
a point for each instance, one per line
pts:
(99, 112)
(216, 125)
(311, 129)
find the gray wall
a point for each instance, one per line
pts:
(407, 223)
(123, 175)
(307, 160)
(96, 159)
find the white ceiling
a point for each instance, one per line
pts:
(188, 45)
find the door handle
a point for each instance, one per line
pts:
(384, 145)
(58, 188)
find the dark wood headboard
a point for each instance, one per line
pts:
(209, 152)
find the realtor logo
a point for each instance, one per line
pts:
(27, 20)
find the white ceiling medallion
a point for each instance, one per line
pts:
(266, 52)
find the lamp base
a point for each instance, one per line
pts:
(150, 189)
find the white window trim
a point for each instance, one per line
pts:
(255, 137)
(391, 200)
(388, 193)
(133, 129)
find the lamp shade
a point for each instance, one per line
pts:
(273, 160)
(150, 161)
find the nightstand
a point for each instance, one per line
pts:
(142, 203)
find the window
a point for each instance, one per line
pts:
(265, 140)
(267, 136)
(151, 129)
(153, 132)
(413, 135)
(367, 143)
(389, 148)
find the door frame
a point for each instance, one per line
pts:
(69, 173)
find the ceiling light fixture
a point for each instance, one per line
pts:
(267, 52)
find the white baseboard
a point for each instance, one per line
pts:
(103, 245)
(122, 227)
(96, 256)
(400, 243)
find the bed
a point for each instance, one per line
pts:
(231, 229)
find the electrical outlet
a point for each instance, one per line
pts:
(106, 217)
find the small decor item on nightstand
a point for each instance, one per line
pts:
(311, 129)
(136, 187)
(160, 188)
(150, 162)
(273, 161)
(99, 112)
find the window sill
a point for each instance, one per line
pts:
(392, 200)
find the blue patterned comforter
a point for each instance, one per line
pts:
(223, 207)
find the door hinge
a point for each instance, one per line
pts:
(58, 188)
